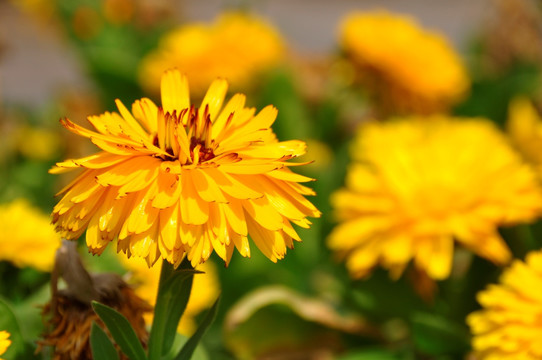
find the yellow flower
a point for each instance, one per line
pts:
(178, 179)
(205, 290)
(508, 327)
(26, 236)
(38, 143)
(236, 46)
(4, 342)
(525, 129)
(406, 67)
(418, 184)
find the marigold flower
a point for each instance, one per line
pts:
(4, 342)
(525, 128)
(418, 184)
(178, 179)
(407, 68)
(236, 46)
(508, 325)
(205, 290)
(26, 236)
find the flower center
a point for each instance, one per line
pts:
(198, 145)
(185, 136)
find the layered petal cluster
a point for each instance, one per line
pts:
(27, 238)
(509, 325)
(205, 290)
(178, 179)
(4, 342)
(525, 128)
(237, 46)
(406, 66)
(416, 185)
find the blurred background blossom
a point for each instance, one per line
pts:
(409, 110)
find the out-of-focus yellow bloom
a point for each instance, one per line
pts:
(205, 290)
(38, 143)
(319, 155)
(525, 129)
(418, 184)
(177, 179)
(4, 342)
(236, 47)
(408, 68)
(26, 236)
(509, 327)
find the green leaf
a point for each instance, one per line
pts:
(173, 294)
(121, 330)
(9, 323)
(371, 354)
(188, 348)
(180, 340)
(101, 345)
(436, 335)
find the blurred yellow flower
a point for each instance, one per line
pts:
(38, 143)
(205, 290)
(26, 236)
(237, 46)
(419, 183)
(406, 67)
(181, 179)
(4, 342)
(508, 327)
(525, 129)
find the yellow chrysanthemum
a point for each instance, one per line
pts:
(509, 325)
(178, 179)
(419, 183)
(26, 236)
(205, 290)
(236, 46)
(407, 67)
(525, 129)
(4, 342)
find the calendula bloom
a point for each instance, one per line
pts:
(525, 129)
(408, 68)
(4, 342)
(205, 290)
(27, 237)
(237, 46)
(177, 179)
(418, 184)
(508, 325)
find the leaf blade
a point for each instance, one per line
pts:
(101, 345)
(188, 349)
(121, 330)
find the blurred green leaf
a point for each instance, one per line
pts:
(188, 349)
(436, 335)
(372, 354)
(199, 354)
(101, 346)
(10, 324)
(18, 348)
(121, 330)
(490, 96)
(293, 120)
